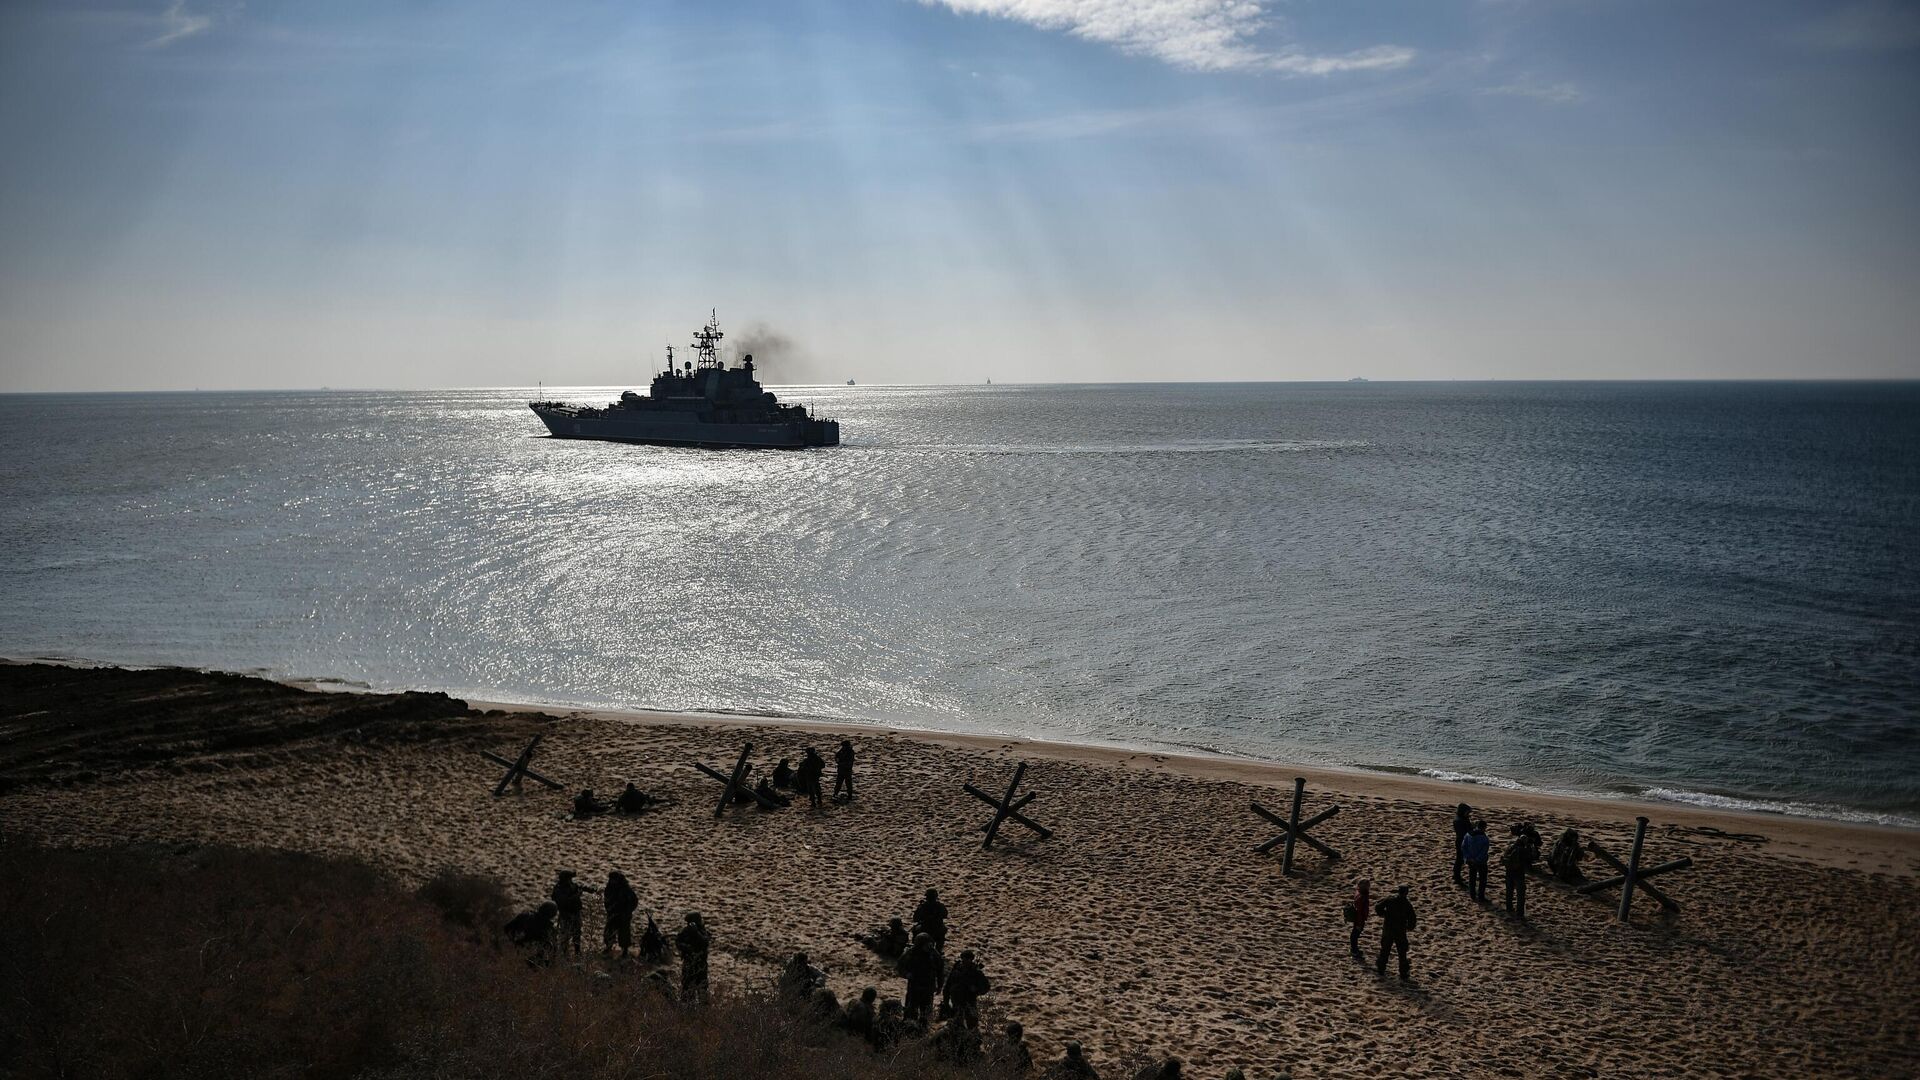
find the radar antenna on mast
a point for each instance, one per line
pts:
(706, 342)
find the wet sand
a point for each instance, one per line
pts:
(1147, 924)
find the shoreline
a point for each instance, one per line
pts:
(1146, 923)
(1825, 841)
(1197, 761)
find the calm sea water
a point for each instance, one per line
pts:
(1703, 592)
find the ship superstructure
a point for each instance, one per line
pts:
(701, 403)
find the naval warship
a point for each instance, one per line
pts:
(703, 403)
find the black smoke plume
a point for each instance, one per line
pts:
(776, 357)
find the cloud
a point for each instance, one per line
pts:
(179, 23)
(1560, 93)
(1197, 35)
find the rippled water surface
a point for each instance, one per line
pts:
(1709, 592)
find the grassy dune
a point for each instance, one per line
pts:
(191, 962)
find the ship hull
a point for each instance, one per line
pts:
(665, 431)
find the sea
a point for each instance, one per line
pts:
(1707, 593)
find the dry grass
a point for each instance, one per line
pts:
(208, 962)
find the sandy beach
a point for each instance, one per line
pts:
(1145, 925)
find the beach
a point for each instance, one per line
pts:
(1145, 925)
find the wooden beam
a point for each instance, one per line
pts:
(732, 784)
(1012, 811)
(1006, 805)
(516, 768)
(524, 770)
(1293, 824)
(1288, 832)
(1632, 876)
(739, 771)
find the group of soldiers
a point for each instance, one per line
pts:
(804, 780)
(1472, 852)
(1473, 849)
(951, 1026)
(941, 1002)
(555, 928)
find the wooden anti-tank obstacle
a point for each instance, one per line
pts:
(518, 768)
(1632, 876)
(1008, 807)
(1292, 828)
(735, 782)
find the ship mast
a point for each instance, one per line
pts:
(706, 342)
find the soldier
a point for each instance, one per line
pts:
(1517, 860)
(889, 1026)
(534, 928)
(843, 770)
(925, 970)
(621, 902)
(765, 791)
(566, 898)
(861, 1015)
(1010, 1055)
(889, 941)
(956, 1042)
(783, 774)
(930, 917)
(823, 1006)
(1073, 1065)
(965, 983)
(1564, 861)
(692, 941)
(799, 977)
(1396, 918)
(586, 806)
(633, 800)
(1359, 908)
(1462, 825)
(1474, 849)
(812, 767)
(653, 943)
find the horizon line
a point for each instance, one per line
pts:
(1674, 380)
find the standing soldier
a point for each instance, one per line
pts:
(1475, 848)
(843, 769)
(566, 898)
(1518, 859)
(1462, 824)
(812, 768)
(621, 902)
(1396, 918)
(692, 942)
(1360, 906)
(965, 983)
(925, 970)
(930, 917)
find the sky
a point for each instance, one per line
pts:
(201, 194)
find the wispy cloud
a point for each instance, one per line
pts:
(1198, 35)
(179, 23)
(1558, 93)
